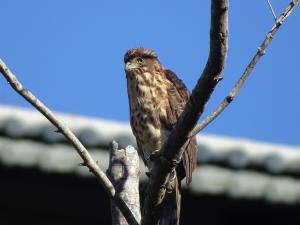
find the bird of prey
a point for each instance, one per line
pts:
(156, 100)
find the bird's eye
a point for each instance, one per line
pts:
(139, 59)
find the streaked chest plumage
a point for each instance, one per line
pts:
(148, 99)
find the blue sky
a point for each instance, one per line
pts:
(70, 54)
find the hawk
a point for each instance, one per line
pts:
(156, 99)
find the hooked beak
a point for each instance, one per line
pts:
(130, 66)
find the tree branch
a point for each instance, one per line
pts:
(171, 150)
(260, 52)
(124, 173)
(272, 10)
(62, 128)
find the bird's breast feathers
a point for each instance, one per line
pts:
(148, 101)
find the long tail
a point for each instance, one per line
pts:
(172, 203)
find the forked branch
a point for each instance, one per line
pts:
(171, 150)
(260, 52)
(184, 128)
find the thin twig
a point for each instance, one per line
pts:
(171, 151)
(272, 10)
(260, 52)
(62, 128)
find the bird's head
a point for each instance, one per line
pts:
(140, 59)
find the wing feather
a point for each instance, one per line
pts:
(178, 96)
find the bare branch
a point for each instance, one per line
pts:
(124, 173)
(272, 10)
(260, 52)
(62, 128)
(171, 150)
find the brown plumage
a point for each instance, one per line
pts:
(156, 99)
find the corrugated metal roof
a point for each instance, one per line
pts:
(94, 133)
(28, 140)
(61, 158)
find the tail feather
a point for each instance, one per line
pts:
(172, 204)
